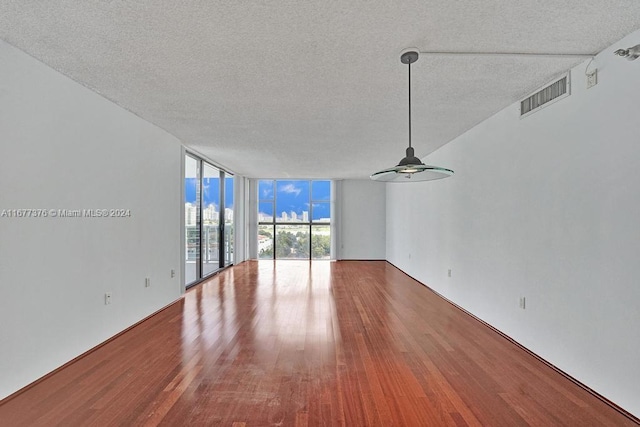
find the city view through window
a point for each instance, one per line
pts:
(294, 218)
(208, 211)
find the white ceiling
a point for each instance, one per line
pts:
(314, 89)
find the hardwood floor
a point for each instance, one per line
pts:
(293, 343)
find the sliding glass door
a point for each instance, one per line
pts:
(211, 219)
(208, 219)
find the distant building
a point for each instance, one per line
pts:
(210, 214)
(285, 217)
(190, 213)
(305, 216)
(264, 243)
(263, 217)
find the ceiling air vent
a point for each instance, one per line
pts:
(546, 96)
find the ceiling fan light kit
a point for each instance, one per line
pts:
(410, 168)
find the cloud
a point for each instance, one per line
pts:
(290, 189)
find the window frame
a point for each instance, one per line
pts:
(308, 224)
(223, 175)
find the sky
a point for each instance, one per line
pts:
(293, 196)
(211, 191)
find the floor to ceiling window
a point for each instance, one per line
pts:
(294, 219)
(208, 219)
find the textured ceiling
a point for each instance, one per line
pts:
(313, 89)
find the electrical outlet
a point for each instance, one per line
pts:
(592, 78)
(107, 298)
(173, 273)
(523, 303)
(449, 273)
(147, 282)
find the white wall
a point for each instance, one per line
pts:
(547, 207)
(65, 147)
(362, 220)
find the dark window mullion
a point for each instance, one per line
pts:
(273, 217)
(221, 230)
(199, 267)
(310, 237)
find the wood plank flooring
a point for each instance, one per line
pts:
(293, 343)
